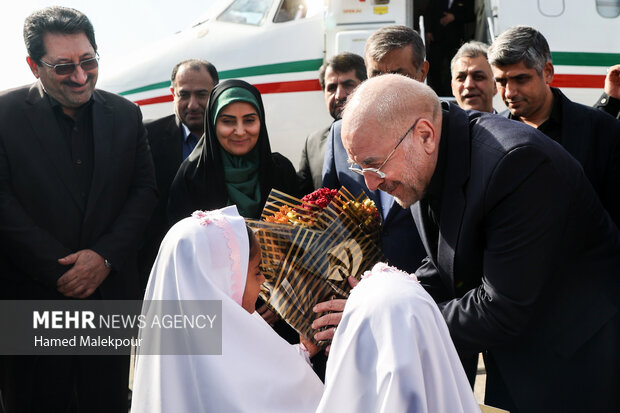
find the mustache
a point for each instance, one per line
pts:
(70, 83)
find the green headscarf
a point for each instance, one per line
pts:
(241, 172)
(234, 94)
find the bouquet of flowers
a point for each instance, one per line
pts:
(310, 246)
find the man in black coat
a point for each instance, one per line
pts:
(77, 188)
(522, 257)
(172, 138)
(522, 67)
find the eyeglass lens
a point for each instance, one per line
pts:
(68, 68)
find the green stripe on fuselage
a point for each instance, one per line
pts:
(272, 69)
(585, 59)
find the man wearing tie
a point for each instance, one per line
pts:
(172, 139)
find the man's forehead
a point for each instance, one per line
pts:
(512, 70)
(333, 76)
(471, 64)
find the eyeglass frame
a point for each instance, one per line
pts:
(382, 175)
(80, 63)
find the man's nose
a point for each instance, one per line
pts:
(372, 181)
(79, 76)
(469, 82)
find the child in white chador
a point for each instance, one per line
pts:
(212, 256)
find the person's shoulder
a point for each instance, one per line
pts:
(114, 100)
(597, 115)
(154, 124)
(281, 161)
(16, 92)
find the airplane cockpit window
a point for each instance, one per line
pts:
(290, 10)
(246, 12)
(608, 8)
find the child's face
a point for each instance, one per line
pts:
(252, 285)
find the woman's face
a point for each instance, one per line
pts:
(254, 281)
(237, 128)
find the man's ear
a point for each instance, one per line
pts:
(34, 68)
(426, 135)
(548, 73)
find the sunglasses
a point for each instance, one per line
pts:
(63, 69)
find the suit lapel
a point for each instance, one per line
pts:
(453, 197)
(103, 125)
(50, 138)
(175, 138)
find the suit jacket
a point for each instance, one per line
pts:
(43, 216)
(593, 138)
(166, 137)
(400, 241)
(524, 233)
(311, 164)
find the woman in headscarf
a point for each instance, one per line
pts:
(392, 352)
(232, 164)
(211, 256)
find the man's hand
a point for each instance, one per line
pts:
(87, 273)
(612, 82)
(334, 308)
(446, 19)
(269, 316)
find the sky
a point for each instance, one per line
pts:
(120, 27)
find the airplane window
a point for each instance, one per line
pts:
(551, 8)
(290, 10)
(608, 8)
(246, 12)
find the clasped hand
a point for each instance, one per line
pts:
(86, 274)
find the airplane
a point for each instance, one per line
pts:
(279, 45)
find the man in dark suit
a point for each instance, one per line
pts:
(172, 138)
(522, 257)
(77, 188)
(445, 32)
(521, 62)
(338, 77)
(392, 49)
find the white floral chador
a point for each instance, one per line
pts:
(392, 352)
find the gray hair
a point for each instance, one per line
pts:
(520, 44)
(342, 63)
(196, 64)
(471, 50)
(389, 38)
(55, 19)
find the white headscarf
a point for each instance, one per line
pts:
(392, 352)
(205, 257)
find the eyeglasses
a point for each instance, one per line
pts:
(362, 171)
(63, 69)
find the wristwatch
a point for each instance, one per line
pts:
(107, 263)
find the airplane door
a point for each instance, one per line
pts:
(348, 23)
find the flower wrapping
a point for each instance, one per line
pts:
(310, 246)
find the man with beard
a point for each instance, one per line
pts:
(523, 258)
(523, 70)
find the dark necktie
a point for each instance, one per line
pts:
(190, 144)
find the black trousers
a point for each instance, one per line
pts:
(64, 384)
